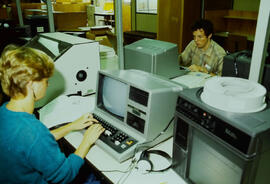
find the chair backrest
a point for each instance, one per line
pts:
(236, 43)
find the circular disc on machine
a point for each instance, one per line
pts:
(234, 94)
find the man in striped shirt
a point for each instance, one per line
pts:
(203, 54)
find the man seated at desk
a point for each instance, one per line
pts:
(203, 54)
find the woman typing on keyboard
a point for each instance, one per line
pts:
(29, 151)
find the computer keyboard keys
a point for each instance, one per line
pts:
(107, 133)
(116, 143)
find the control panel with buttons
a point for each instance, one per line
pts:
(115, 138)
(214, 125)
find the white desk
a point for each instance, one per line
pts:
(104, 13)
(74, 107)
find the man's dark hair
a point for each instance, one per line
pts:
(204, 24)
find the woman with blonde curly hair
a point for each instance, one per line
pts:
(29, 151)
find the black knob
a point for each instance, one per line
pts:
(195, 110)
(81, 75)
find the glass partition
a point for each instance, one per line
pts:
(146, 6)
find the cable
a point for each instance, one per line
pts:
(133, 161)
(125, 177)
(162, 132)
(127, 170)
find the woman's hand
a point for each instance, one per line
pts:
(84, 121)
(89, 138)
(93, 133)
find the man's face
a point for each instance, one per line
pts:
(200, 39)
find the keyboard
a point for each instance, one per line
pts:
(115, 138)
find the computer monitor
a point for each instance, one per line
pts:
(139, 104)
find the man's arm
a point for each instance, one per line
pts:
(220, 53)
(185, 57)
(219, 67)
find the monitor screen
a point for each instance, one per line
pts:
(112, 96)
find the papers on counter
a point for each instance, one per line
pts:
(193, 79)
(65, 109)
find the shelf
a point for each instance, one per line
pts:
(240, 18)
(226, 34)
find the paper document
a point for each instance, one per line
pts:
(193, 79)
(66, 109)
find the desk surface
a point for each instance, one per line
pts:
(100, 13)
(60, 12)
(104, 162)
(104, 13)
(100, 159)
